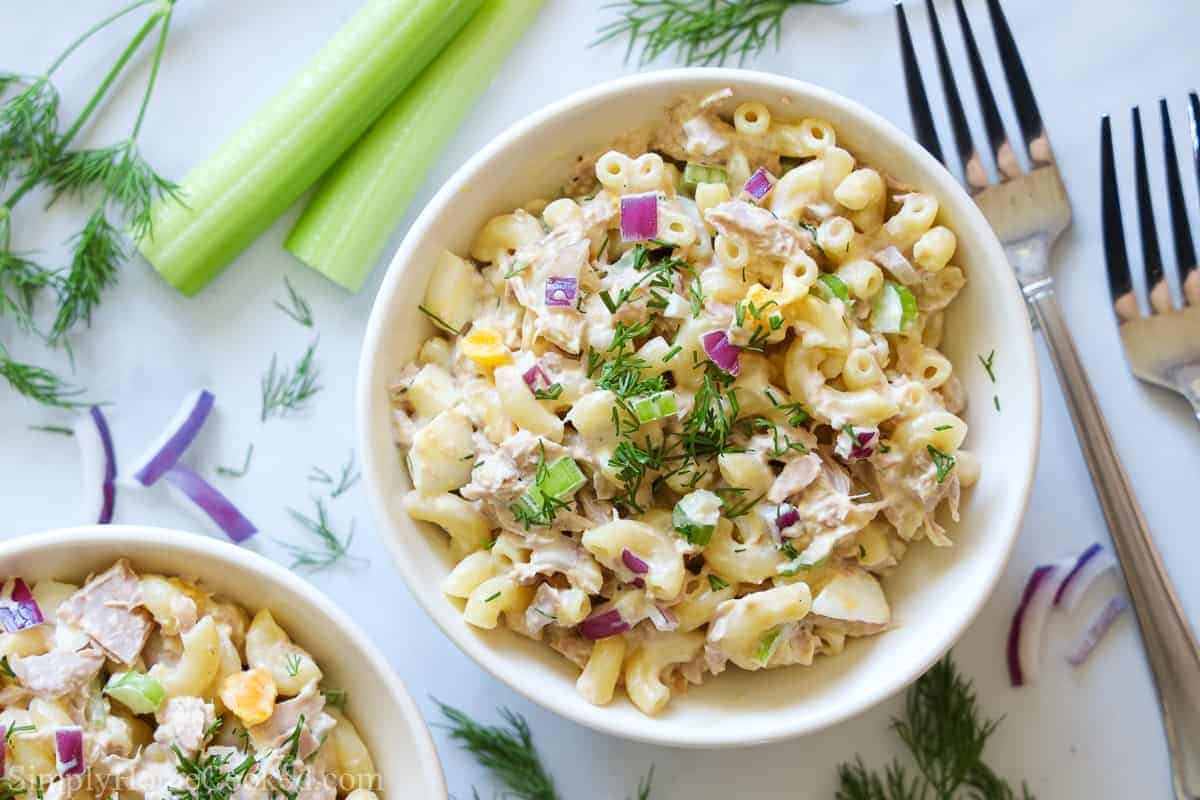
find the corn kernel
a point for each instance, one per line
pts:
(485, 347)
(250, 695)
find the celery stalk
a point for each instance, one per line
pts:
(231, 198)
(359, 203)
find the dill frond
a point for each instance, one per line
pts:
(96, 252)
(705, 32)
(297, 308)
(348, 476)
(329, 548)
(505, 751)
(28, 127)
(39, 384)
(289, 389)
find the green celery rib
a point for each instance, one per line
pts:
(280, 152)
(358, 205)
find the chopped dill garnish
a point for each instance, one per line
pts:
(717, 583)
(996, 402)
(348, 476)
(989, 364)
(517, 269)
(674, 351)
(329, 548)
(297, 308)
(491, 597)
(59, 429)
(551, 392)
(943, 461)
(290, 389)
(441, 323)
(941, 427)
(232, 472)
(210, 777)
(6, 668)
(336, 698)
(733, 510)
(292, 664)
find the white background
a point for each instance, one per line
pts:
(1093, 733)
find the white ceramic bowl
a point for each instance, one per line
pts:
(379, 705)
(935, 593)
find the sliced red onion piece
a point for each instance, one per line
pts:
(639, 217)
(855, 444)
(561, 291)
(203, 496)
(635, 564)
(760, 184)
(68, 750)
(664, 619)
(536, 377)
(98, 463)
(1091, 564)
(721, 351)
(603, 624)
(176, 437)
(638, 582)
(18, 609)
(1097, 630)
(1025, 633)
(786, 515)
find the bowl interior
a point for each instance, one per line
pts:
(378, 704)
(935, 593)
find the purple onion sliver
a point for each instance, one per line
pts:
(635, 564)
(18, 610)
(175, 439)
(215, 505)
(1086, 556)
(638, 582)
(602, 625)
(760, 184)
(1024, 634)
(1097, 630)
(533, 374)
(98, 465)
(721, 352)
(639, 217)
(786, 515)
(68, 750)
(561, 291)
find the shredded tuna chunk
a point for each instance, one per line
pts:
(273, 733)
(107, 610)
(894, 262)
(183, 722)
(57, 673)
(795, 477)
(761, 230)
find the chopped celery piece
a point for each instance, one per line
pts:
(695, 516)
(829, 286)
(362, 199)
(655, 406)
(238, 192)
(766, 648)
(137, 691)
(894, 310)
(563, 479)
(695, 174)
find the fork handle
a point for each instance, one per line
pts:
(1170, 645)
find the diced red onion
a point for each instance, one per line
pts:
(857, 447)
(18, 609)
(98, 463)
(635, 564)
(68, 750)
(176, 437)
(721, 351)
(1025, 632)
(638, 582)
(203, 496)
(1096, 631)
(786, 515)
(663, 618)
(603, 624)
(536, 377)
(1091, 564)
(639, 217)
(561, 291)
(760, 184)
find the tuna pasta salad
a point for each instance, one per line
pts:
(686, 415)
(146, 686)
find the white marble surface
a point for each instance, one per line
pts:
(1093, 733)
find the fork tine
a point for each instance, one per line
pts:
(1120, 285)
(918, 103)
(1156, 288)
(1185, 250)
(1006, 161)
(1033, 130)
(973, 171)
(1190, 280)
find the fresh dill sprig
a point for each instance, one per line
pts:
(505, 751)
(297, 308)
(287, 390)
(348, 476)
(943, 462)
(945, 731)
(232, 472)
(336, 698)
(706, 32)
(210, 777)
(39, 384)
(329, 549)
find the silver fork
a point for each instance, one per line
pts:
(1029, 210)
(1163, 348)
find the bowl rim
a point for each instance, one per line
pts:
(390, 288)
(137, 537)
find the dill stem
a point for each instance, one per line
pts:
(99, 26)
(84, 115)
(158, 52)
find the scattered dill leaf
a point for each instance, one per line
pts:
(292, 665)
(337, 698)
(329, 548)
(516, 269)
(287, 390)
(551, 392)
(996, 402)
(942, 461)
(59, 429)
(989, 364)
(39, 384)
(297, 307)
(717, 582)
(348, 476)
(441, 323)
(231, 472)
